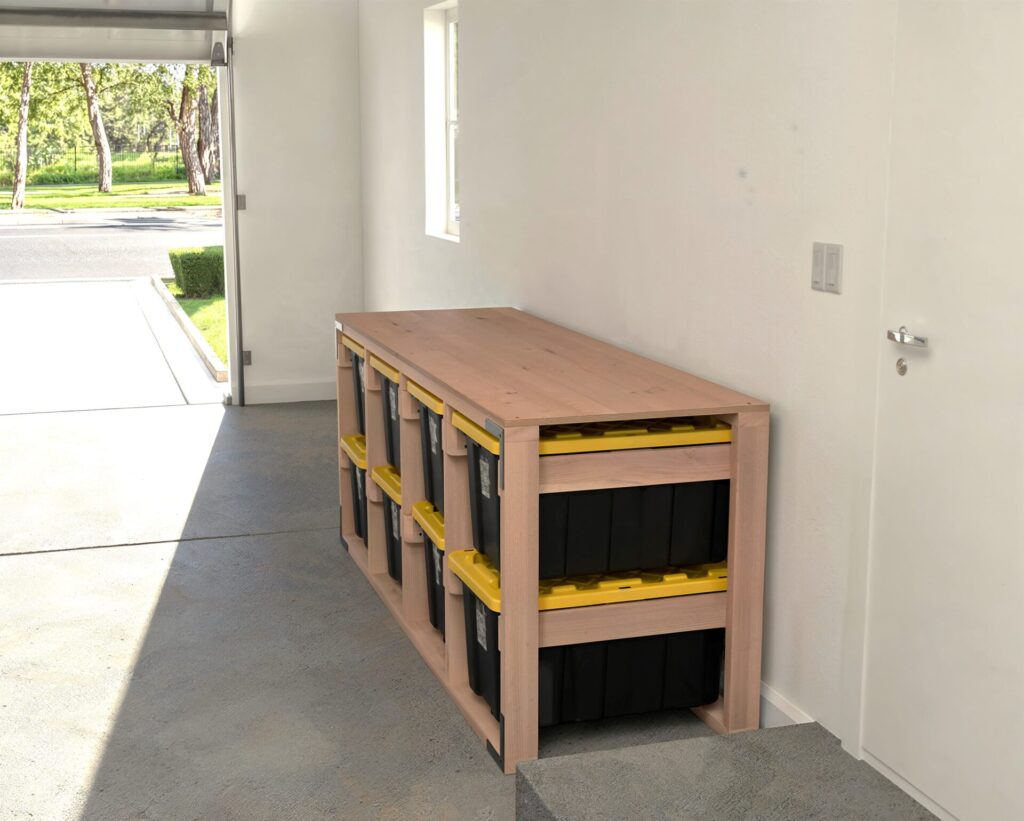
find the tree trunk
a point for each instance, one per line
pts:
(21, 164)
(185, 122)
(215, 140)
(205, 144)
(99, 133)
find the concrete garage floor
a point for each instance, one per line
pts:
(181, 635)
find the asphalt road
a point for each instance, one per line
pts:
(87, 246)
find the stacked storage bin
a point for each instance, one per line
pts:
(389, 378)
(429, 514)
(431, 522)
(387, 478)
(358, 379)
(599, 547)
(431, 410)
(355, 448)
(602, 531)
(583, 682)
(354, 445)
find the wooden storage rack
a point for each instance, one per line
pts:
(513, 373)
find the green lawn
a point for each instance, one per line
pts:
(209, 316)
(124, 195)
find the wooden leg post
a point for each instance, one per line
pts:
(414, 574)
(340, 374)
(519, 575)
(741, 705)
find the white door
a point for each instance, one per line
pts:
(944, 683)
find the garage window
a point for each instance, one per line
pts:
(441, 126)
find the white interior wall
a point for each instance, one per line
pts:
(297, 137)
(654, 174)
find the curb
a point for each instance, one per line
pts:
(49, 216)
(213, 364)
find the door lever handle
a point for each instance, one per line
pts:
(905, 337)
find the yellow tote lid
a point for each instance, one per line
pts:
(352, 345)
(583, 591)
(389, 480)
(384, 368)
(478, 574)
(425, 396)
(477, 433)
(431, 521)
(355, 448)
(603, 436)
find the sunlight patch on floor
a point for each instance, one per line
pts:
(71, 627)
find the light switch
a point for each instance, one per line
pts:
(827, 268)
(818, 267)
(834, 269)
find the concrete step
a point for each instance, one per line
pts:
(780, 774)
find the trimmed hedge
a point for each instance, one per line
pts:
(199, 272)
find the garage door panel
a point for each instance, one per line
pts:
(170, 31)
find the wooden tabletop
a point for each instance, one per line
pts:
(522, 370)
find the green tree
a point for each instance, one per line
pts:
(133, 102)
(180, 90)
(58, 118)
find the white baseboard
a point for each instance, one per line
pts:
(779, 711)
(922, 799)
(284, 390)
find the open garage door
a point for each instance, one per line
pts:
(145, 31)
(159, 31)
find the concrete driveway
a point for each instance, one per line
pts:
(94, 344)
(81, 327)
(99, 243)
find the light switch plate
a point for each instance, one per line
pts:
(818, 267)
(827, 268)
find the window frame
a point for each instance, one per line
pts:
(451, 75)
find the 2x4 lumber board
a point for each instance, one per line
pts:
(627, 620)
(348, 421)
(713, 715)
(741, 706)
(631, 468)
(345, 393)
(458, 523)
(356, 550)
(414, 572)
(520, 370)
(348, 516)
(520, 572)
(376, 454)
(476, 712)
(458, 532)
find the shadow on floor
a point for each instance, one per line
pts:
(271, 682)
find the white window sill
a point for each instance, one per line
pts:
(445, 236)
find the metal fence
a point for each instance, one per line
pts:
(77, 163)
